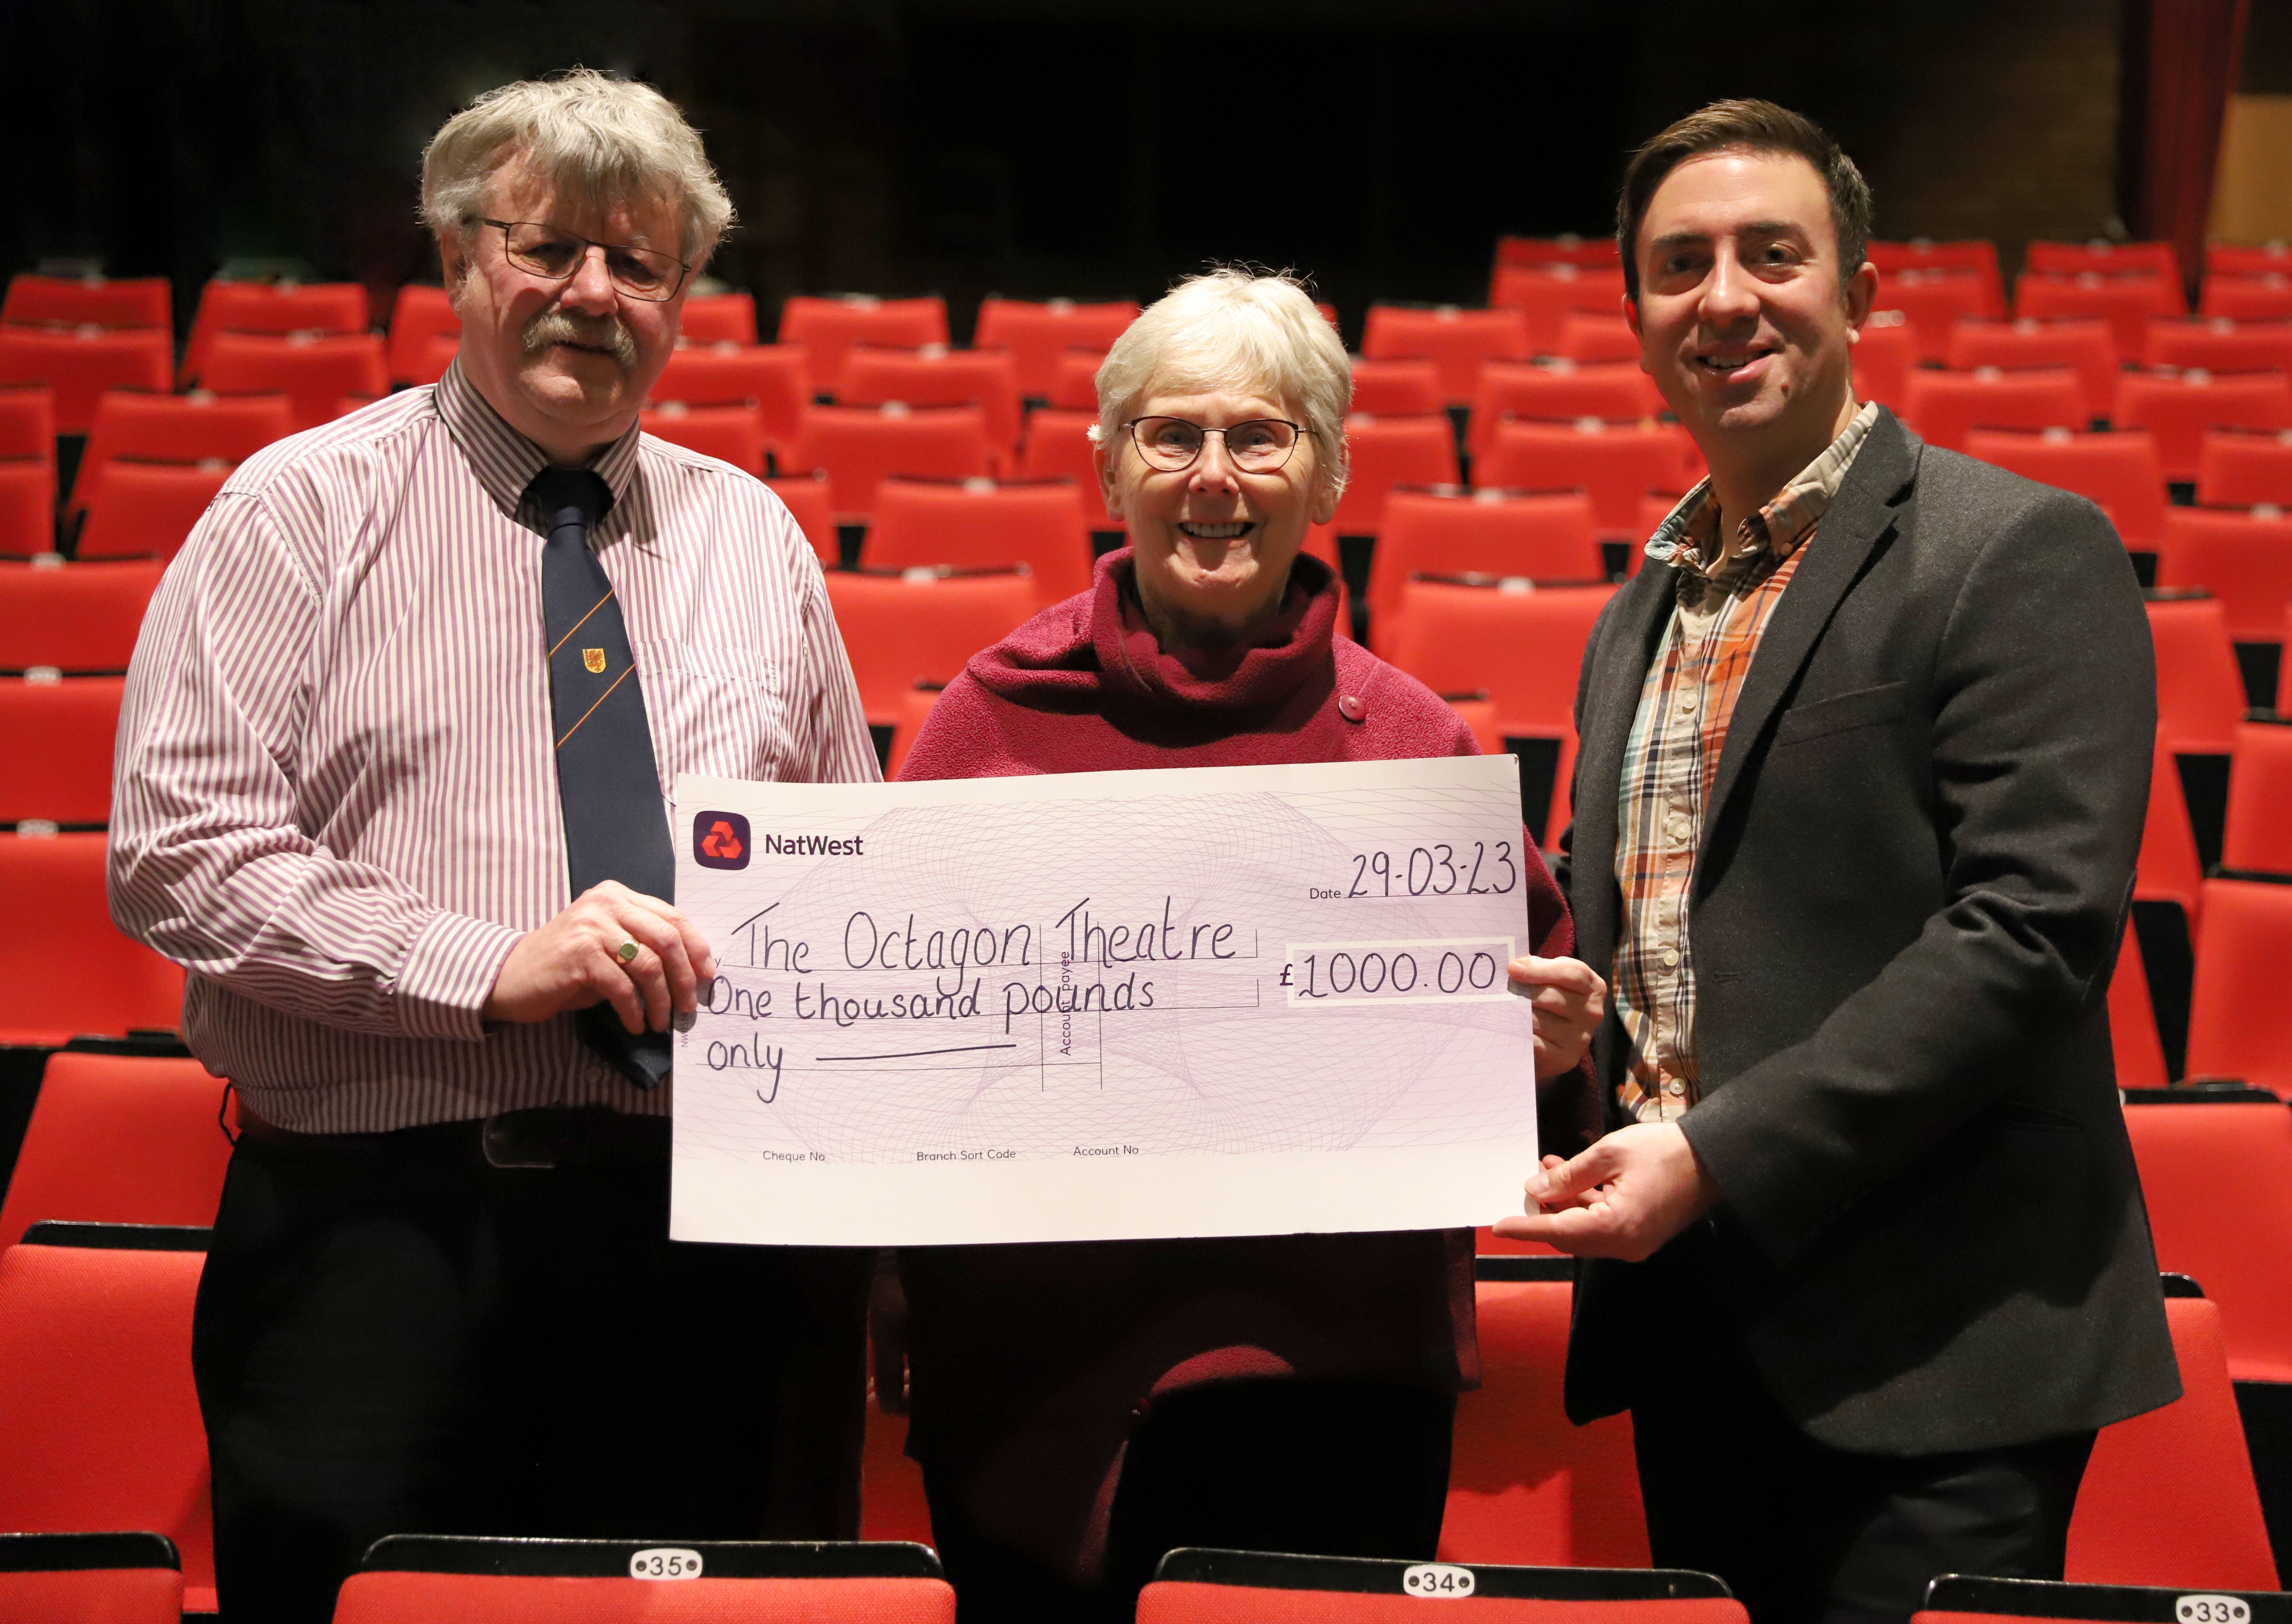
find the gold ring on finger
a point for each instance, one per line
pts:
(627, 951)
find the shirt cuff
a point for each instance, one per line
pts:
(449, 970)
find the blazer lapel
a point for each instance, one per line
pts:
(1858, 518)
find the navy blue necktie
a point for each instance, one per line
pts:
(615, 825)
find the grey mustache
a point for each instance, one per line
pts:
(557, 327)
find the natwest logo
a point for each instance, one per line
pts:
(721, 840)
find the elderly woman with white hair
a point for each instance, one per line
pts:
(1080, 1408)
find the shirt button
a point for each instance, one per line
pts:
(1686, 705)
(1351, 709)
(1676, 1088)
(1670, 957)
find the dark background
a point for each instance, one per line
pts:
(1043, 147)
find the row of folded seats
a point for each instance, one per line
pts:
(122, 1168)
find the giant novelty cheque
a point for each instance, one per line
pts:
(1208, 1001)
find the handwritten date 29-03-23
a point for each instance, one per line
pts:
(1435, 870)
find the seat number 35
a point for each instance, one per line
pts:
(665, 1562)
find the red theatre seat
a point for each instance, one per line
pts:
(90, 1579)
(44, 301)
(2243, 559)
(1944, 407)
(28, 508)
(1568, 249)
(2284, 670)
(415, 1578)
(27, 423)
(1386, 452)
(2240, 469)
(733, 434)
(2257, 838)
(2085, 347)
(1545, 295)
(1884, 356)
(1585, 335)
(77, 976)
(79, 618)
(55, 748)
(198, 427)
(2248, 258)
(828, 328)
(422, 315)
(937, 376)
(1210, 1587)
(1058, 448)
(275, 309)
(861, 446)
(1525, 1485)
(1074, 381)
(1957, 1599)
(809, 503)
(1931, 302)
(2168, 870)
(1976, 257)
(719, 318)
(2178, 408)
(1405, 388)
(2168, 1496)
(2119, 471)
(99, 1424)
(1040, 335)
(118, 1139)
(1616, 465)
(2216, 1176)
(902, 631)
(2240, 1023)
(1457, 340)
(80, 363)
(2199, 691)
(2127, 303)
(774, 378)
(1545, 537)
(2217, 345)
(1525, 649)
(146, 510)
(978, 524)
(2102, 257)
(884, 1471)
(2247, 298)
(314, 373)
(2133, 1035)
(1557, 391)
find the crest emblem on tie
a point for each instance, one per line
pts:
(594, 659)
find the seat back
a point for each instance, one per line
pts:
(1384, 452)
(2240, 1024)
(901, 632)
(1196, 1586)
(1455, 340)
(1932, 302)
(915, 709)
(978, 524)
(1565, 249)
(2218, 345)
(77, 974)
(809, 503)
(2248, 258)
(2168, 1496)
(2244, 559)
(2199, 691)
(2118, 470)
(1944, 407)
(1976, 257)
(776, 379)
(1038, 335)
(1557, 391)
(273, 309)
(105, 302)
(1545, 295)
(77, 617)
(728, 317)
(1885, 359)
(2237, 468)
(28, 508)
(861, 446)
(1615, 465)
(1058, 448)
(937, 376)
(146, 510)
(80, 364)
(2178, 407)
(2086, 347)
(316, 374)
(409, 1579)
(1524, 1485)
(1959, 1599)
(55, 748)
(2217, 1177)
(2127, 303)
(1074, 381)
(1525, 648)
(1590, 336)
(2104, 258)
(1400, 388)
(1547, 537)
(90, 1579)
(99, 1423)
(27, 423)
(199, 427)
(422, 314)
(733, 434)
(2133, 1035)
(2247, 298)
(828, 328)
(120, 1139)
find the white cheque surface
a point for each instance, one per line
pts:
(1211, 1001)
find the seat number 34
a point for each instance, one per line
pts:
(1439, 1581)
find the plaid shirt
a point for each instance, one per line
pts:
(1724, 598)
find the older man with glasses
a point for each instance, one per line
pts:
(392, 779)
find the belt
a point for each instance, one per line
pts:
(543, 1136)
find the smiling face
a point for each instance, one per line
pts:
(567, 364)
(1212, 543)
(1745, 316)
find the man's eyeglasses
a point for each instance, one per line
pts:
(554, 255)
(1260, 446)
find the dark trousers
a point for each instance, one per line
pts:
(1326, 1467)
(393, 1335)
(1807, 1534)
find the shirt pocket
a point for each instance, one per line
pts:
(717, 709)
(1862, 707)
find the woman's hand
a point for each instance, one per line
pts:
(1571, 1001)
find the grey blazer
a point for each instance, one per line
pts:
(1913, 881)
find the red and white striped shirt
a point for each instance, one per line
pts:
(334, 800)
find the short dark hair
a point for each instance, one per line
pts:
(1755, 126)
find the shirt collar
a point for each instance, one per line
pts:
(1687, 536)
(505, 460)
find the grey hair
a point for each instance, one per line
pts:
(599, 140)
(1231, 328)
